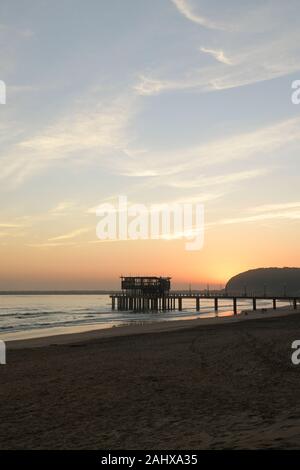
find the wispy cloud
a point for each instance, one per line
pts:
(10, 225)
(276, 207)
(261, 58)
(284, 215)
(49, 245)
(247, 67)
(217, 54)
(73, 234)
(186, 8)
(264, 212)
(86, 133)
(241, 146)
(62, 207)
(97, 129)
(216, 180)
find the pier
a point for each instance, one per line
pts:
(140, 294)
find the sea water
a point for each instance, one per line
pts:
(23, 313)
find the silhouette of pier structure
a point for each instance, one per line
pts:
(143, 293)
(152, 293)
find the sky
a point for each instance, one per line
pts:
(168, 101)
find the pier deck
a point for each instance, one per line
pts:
(174, 301)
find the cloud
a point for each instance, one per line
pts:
(217, 54)
(278, 211)
(49, 245)
(73, 234)
(95, 129)
(216, 180)
(241, 146)
(62, 207)
(10, 225)
(147, 86)
(236, 17)
(247, 67)
(276, 207)
(186, 8)
(92, 131)
(252, 59)
(287, 215)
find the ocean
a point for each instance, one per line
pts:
(37, 315)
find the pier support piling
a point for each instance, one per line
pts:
(164, 301)
(234, 305)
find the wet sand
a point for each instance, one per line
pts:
(214, 385)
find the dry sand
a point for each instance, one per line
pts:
(214, 384)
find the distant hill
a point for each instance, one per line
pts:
(275, 281)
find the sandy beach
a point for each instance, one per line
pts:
(201, 384)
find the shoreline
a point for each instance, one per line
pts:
(80, 335)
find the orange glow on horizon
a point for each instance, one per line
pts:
(226, 252)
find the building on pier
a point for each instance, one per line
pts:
(142, 293)
(146, 285)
